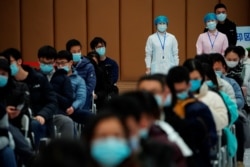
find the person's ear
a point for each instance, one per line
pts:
(19, 62)
(71, 62)
(189, 85)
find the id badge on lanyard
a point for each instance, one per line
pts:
(212, 42)
(162, 44)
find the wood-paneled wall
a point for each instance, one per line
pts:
(124, 24)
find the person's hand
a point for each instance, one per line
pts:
(12, 112)
(70, 110)
(40, 119)
(148, 71)
(95, 96)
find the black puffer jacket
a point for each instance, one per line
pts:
(63, 88)
(43, 99)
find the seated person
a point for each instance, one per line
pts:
(139, 111)
(84, 69)
(102, 81)
(76, 111)
(43, 101)
(15, 97)
(62, 86)
(191, 118)
(7, 155)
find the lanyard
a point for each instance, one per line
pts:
(212, 43)
(162, 44)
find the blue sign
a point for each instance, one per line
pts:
(243, 36)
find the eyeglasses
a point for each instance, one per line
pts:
(63, 63)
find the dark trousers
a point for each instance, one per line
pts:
(7, 157)
(39, 131)
(81, 116)
(22, 148)
(240, 139)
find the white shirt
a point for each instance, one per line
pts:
(158, 59)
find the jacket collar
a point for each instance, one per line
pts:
(203, 91)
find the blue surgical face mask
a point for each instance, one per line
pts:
(218, 73)
(210, 84)
(158, 99)
(195, 85)
(143, 133)
(134, 143)
(3, 81)
(76, 57)
(46, 68)
(110, 152)
(221, 16)
(183, 95)
(161, 27)
(66, 68)
(101, 51)
(211, 25)
(168, 101)
(14, 69)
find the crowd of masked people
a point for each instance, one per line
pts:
(173, 120)
(55, 96)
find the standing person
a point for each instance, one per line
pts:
(161, 48)
(98, 44)
(84, 68)
(211, 41)
(225, 25)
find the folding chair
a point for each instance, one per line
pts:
(25, 122)
(93, 104)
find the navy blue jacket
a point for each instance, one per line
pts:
(86, 70)
(64, 92)
(43, 99)
(197, 129)
(111, 69)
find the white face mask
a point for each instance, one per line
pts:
(232, 64)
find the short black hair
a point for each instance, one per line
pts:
(161, 78)
(47, 52)
(192, 65)
(93, 54)
(64, 54)
(234, 49)
(124, 107)
(219, 5)
(177, 74)
(71, 43)
(204, 58)
(146, 101)
(95, 42)
(241, 51)
(4, 65)
(216, 57)
(12, 52)
(63, 153)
